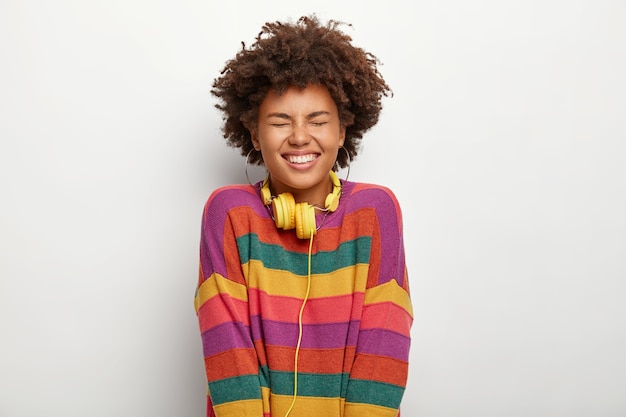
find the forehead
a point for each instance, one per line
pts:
(312, 98)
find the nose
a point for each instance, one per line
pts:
(299, 136)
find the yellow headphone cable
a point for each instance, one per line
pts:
(306, 297)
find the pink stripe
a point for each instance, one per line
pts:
(213, 312)
(335, 309)
(387, 316)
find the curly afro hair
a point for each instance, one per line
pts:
(297, 54)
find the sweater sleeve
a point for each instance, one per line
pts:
(221, 304)
(380, 369)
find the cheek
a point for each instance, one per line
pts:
(273, 138)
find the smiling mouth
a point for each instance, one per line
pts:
(301, 159)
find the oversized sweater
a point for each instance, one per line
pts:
(353, 357)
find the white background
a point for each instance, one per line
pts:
(505, 143)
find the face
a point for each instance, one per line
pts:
(299, 136)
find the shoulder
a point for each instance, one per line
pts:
(371, 195)
(371, 189)
(225, 198)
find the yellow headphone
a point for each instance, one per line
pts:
(301, 216)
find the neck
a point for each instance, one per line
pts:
(314, 196)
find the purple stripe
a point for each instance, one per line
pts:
(225, 337)
(213, 221)
(317, 336)
(384, 343)
(392, 248)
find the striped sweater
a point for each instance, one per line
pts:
(353, 358)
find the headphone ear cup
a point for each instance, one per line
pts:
(332, 202)
(266, 194)
(284, 207)
(332, 199)
(305, 221)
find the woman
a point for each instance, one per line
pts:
(316, 321)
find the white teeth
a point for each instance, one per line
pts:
(301, 159)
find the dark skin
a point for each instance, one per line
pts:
(299, 54)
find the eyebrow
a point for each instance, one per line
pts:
(308, 116)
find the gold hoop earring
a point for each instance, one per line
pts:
(349, 161)
(248, 163)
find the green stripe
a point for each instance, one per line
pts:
(349, 253)
(309, 385)
(377, 393)
(333, 386)
(264, 376)
(238, 388)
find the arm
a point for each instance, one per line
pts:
(221, 304)
(380, 369)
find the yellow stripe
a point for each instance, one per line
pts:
(307, 406)
(358, 410)
(265, 394)
(304, 407)
(217, 284)
(244, 408)
(281, 283)
(389, 292)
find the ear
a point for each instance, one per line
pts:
(342, 135)
(255, 139)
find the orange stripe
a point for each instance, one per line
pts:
(327, 239)
(260, 347)
(354, 225)
(374, 271)
(380, 368)
(321, 361)
(231, 363)
(231, 255)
